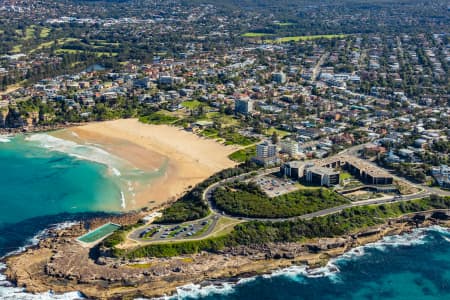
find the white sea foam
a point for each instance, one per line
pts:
(4, 139)
(9, 292)
(115, 171)
(84, 152)
(197, 290)
(300, 273)
(246, 280)
(39, 236)
(122, 200)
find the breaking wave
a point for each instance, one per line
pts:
(84, 152)
(39, 236)
(301, 273)
(4, 139)
(198, 290)
(9, 292)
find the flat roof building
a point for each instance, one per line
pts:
(243, 106)
(366, 172)
(266, 154)
(293, 169)
(322, 176)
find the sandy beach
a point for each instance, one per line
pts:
(188, 159)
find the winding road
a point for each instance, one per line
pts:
(207, 197)
(424, 192)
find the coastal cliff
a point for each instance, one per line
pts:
(60, 264)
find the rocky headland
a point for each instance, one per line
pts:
(61, 264)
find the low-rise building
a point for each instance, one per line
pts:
(322, 176)
(293, 169)
(442, 175)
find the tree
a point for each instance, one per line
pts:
(275, 138)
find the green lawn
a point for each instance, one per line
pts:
(70, 51)
(230, 137)
(255, 34)
(29, 33)
(44, 32)
(16, 48)
(305, 38)
(51, 43)
(158, 118)
(193, 104)
(225, 120)
(243, 154)
(344, 176)
(103, 43)
(234, 138)
(210, 133)
(281, 133)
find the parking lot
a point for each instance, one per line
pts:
(274, 186)
(156, 232)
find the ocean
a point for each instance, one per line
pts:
(46, 181)
(413, 266)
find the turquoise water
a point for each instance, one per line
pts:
(410, 267)
(36, 182)
(99, 233)
(42, 184)
(46, 180)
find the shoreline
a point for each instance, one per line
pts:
(37, 269)
(161, 162)
(173, 159)
(36, 129)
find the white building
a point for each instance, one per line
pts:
(442, 175)
(266, 154)
(290, 147)
(265, 150)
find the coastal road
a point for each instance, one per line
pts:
(207, 197)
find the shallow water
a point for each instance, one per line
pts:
(41, 184)
(37, 181)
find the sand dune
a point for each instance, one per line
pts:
(191, 159)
